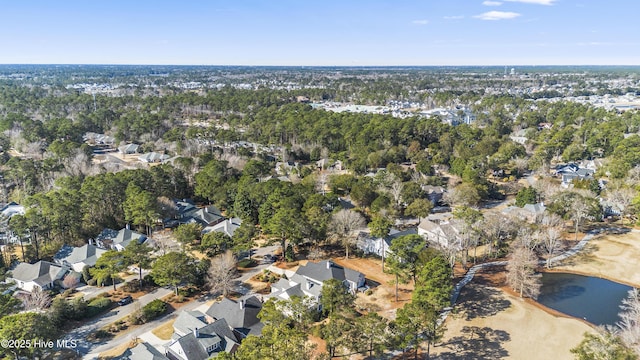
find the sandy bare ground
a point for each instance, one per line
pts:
(492, 324)
(609, 256)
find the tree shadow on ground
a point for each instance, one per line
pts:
(586, 255)
(477, 343)
(481, 301)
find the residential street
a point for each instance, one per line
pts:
(92, 350)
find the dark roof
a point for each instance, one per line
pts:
(242, 314)
(122, 237)
(217, 333)
(327, 269)
(207, 216)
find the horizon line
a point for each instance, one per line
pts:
(336, 65)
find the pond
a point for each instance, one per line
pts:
(593, 299)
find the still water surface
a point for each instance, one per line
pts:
(593, 299)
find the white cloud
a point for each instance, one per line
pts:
(538, 2)
(420, 22)
(454, 17)
(497, 15)
(491, 3)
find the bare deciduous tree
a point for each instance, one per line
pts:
(621, 198)
(496, 229)
(521, 275)
(551, 243)
(70, 282)
(527, 238)
(629, 323)
(580, 210)
(36, 300)
(344, 223)
(222, 273)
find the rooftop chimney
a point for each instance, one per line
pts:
(329, 264)
(196, 333)
(241, 302)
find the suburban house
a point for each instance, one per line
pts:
(128, 149)
(207, 217)
(98, 139)
(12, 209)
(286, 167)
(530, 212)
(308, 280)
(153, 157)
(227, 226)
(118, 240)
(326, 164)
(434, 193)
(445, 232)
(78, 257)
(195, 339)
(42, 275)
(241, 315)
(379, 246)
(144, 351)
(6, 213)
(572, 171)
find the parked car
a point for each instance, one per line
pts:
(268, 259)
(125, 300)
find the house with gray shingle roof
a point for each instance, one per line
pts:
(207, 217)
(129, 149)
(377, 245)
(153, 157)
(118, 240)
(446, 232)
(144, 351)
(194, 339)
(529, 212)
(42, 275)
(572, 171)
(241, 315)
(308, 280)
(78, 257)
(227, 226)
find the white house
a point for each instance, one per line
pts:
(445, 233)
(79, 257)
(309, 278)
(118, 240)
(41, 275)
(153, 157)
(227, 226)
(128, 149)
(372, 245)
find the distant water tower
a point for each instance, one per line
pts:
(513, 71)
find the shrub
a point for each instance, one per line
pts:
(136, 317)
(289, 254)
(246, 263)
(132, 286)
(153, 310)
(101, 334)
(98, 305)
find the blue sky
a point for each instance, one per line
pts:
(327, 32)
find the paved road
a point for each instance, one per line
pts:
(91, 350)
(80, 334)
